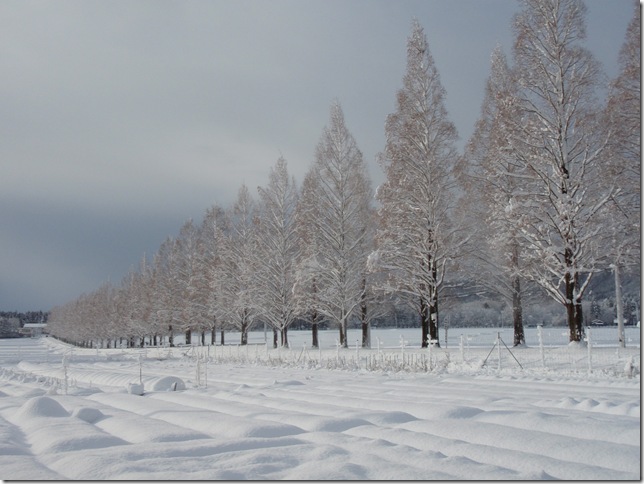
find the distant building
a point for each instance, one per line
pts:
(33, 330)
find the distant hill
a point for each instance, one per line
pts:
(602, 286)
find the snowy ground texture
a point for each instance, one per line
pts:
(392, 412)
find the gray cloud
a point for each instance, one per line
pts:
(119, 120)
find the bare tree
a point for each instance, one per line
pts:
(623, 213)
(132, 299)
(305, 288)
(278, 250)
(167, 296)
(146, 280)
(103, 304)
(495, 187)
(372, 303)
(213, 236)
(416, 239)
(559, 141)
(339, 188)
(239, 265)
(187, 280)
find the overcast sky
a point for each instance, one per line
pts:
(119, 120)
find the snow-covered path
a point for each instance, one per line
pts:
(260, 422)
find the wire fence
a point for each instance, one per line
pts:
(479, 351)
(583, 358)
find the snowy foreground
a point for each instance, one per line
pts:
(253, 413)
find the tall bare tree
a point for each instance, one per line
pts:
(239, 265)
(305, 288)
(189, 280)
(416, 239)
(166, 296)
(213, 237)
(340, 189)
(559, 141)
(278, 249)
(495, 187)
(623, 214)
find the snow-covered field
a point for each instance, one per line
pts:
(392, 412)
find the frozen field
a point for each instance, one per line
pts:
(394, 412)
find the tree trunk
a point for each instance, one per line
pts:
(579, 320)
(285, 337)
(314, 330)
(366, 343)
(517, 312)
(365, 335)
(433, 323)
(244, 332)
(569, 286)
(429, 305)
(188, 337)
(203, 338)
(275, 342)
(222, 337)
(314, 319)
(433, 309)
(619, 304)
(343, 332)
(570, 315)
(171, 337)
(424, 322)
(579, 314)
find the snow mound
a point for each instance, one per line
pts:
(464, 412)
(339, 424)
(568, 402)
(577, 344)
(88, 414)
(168, 384)
(41, 407)
(82, 392)
(588, 403)
(34, 392)
(389, 418)
(71, 437)
(135, 388)
(135, 429)
(287, 383)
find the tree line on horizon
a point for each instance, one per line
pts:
(545, 195)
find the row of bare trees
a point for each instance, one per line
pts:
(545, 195)
(286, 254)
